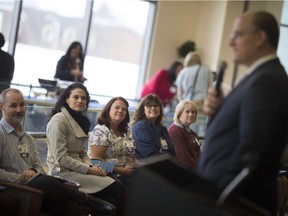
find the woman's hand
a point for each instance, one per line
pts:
(123, 171)
(76, 72)
(96, 170)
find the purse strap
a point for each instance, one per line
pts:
(194, 81)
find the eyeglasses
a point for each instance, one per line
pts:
(150, 106)
(239, 34)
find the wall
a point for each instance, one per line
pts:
(208, 23)
(175, 23)
(209, 32)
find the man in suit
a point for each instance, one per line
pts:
(249, 127)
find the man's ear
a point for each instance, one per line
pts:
(261, 38)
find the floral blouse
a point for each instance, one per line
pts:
(121, 150)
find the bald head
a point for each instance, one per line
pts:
(4, 93)
(255, 34)
(266, 22)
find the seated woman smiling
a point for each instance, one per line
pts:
(111, 143)
(186, 143)
(67, 132)
(150, 134)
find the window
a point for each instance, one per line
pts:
(6, 15)
(117, 40)
(283, 42)
(45, 32)
(115, 48)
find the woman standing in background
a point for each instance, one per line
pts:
(70, 66)
(162, 83)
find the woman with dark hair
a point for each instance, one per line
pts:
(111, 142)
(70, 66)
(150, 134)
(67, 132)
(162, 83)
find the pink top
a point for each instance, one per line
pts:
(159, 85)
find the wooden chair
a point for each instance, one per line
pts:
(30, 198)
(282, 195)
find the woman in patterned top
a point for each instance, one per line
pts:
(185, 141)
(111, 143)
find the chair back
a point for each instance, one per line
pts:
(30, 198)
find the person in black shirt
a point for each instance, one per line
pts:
(6, 66)
(70, 65)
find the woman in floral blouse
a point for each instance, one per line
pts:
(110, 143)
(185, 141)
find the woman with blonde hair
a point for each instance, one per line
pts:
(185, 140)
(192, 58)
(192, 83)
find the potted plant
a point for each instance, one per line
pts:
(185, 48)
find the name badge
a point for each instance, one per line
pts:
(23, 149)
(128, 144)
(164, 144)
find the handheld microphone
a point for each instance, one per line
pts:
(221, 69)
(78, 62)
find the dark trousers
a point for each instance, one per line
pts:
(58, 199)
(115, 194)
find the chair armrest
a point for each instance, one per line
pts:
(30, 198)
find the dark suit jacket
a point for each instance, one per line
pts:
(250, 129)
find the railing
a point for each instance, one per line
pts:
(38, 93)
(38, 111)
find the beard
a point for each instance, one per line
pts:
(17, 119)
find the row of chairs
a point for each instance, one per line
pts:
(31, 199)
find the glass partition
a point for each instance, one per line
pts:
(115, 42)
(116, 45)
(283, 42)
(6, 16)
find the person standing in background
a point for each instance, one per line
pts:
(248, 128)
(70, 66)
(192, 84)
(162, 84)
(7, 65)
